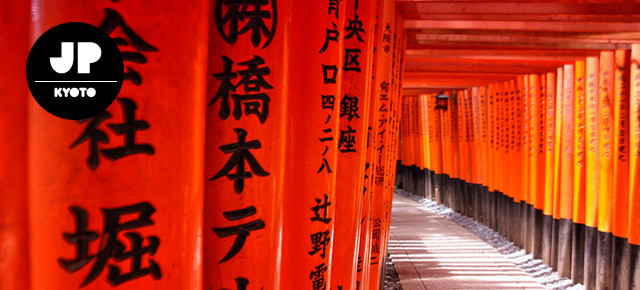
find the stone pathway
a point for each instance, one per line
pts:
(432, 252)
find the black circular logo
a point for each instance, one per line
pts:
(75, 71)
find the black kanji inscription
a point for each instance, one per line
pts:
(111, 248)
(239, 154)
(354, 29)
(240, 231)
(113, 20)
(324, 207)
(230, 14)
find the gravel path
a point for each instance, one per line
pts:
(391, 280)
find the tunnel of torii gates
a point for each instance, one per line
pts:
(254, 144)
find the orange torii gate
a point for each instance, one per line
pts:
(558, 160)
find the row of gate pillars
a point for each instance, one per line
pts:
(551, 161)
(557, 242)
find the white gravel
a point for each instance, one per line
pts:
(534, 267)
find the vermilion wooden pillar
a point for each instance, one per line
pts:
(501, 110)
(419, 133)
(478, 165)
(381, 128)
(117, 199)
(396, 52)
(407, 129)
(411, 148)
(14, 245)
(476, 152)
(494, 119)
(514, 158)
(512, 162)
(404, 140)
(506, 138)
(414, 131)
(458, 136)
(536, 164)
(592, 171)
(527, 194)
(634, 167)
(424, 122)
(366, 234)
(508, 141)
(453, 148)
(555, 224)
(549, 153)
(415, 113)
(534, 131)
(502, 134)
(447, 147)
(484, 131)
(620, 206)
(391, 139)
(473, 137)
(606, 186)
(488, 109)
(469, 162)
(540, 150)
(454, 137)
(426, 114)
(411, 152)
(315, 56)
(436, 141)
(246, 144)
(579, 172)
(520, 158)
(517, 150)
(444, 137)
(524, 93)
(509, 157)
(354, 110)
(541, 160)
(565, 205)
(364, 248)
(462, 137)
(507, 193)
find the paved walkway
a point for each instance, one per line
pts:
(432, 252)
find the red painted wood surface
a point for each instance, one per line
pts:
(634, 172)
(355, 101)
(607, 144)
(620, 206)
(592, 142)
(549, 144)
(312, 136)
(162, 180)
(384, 94)
(247, 94)
(14, 243)
(579, 153)
(567, 144)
